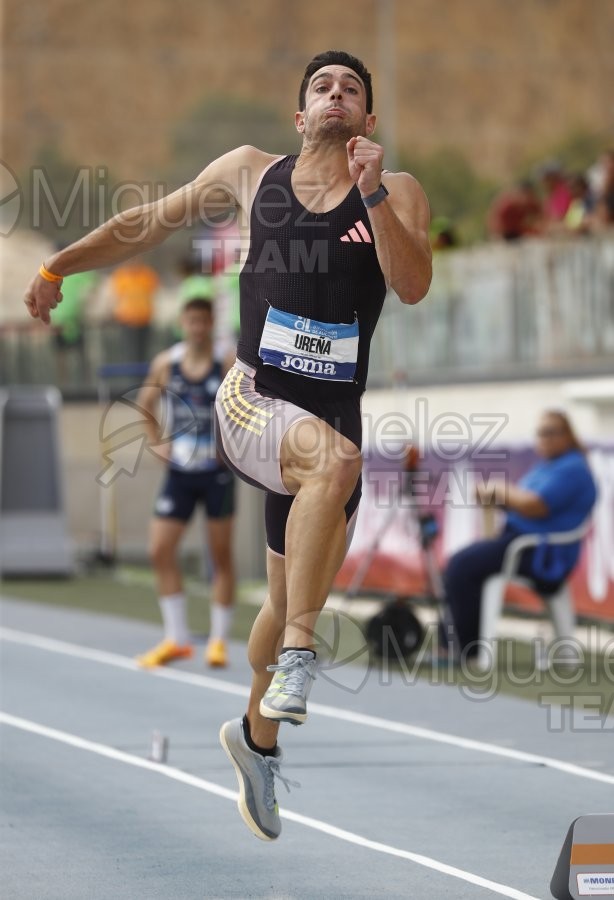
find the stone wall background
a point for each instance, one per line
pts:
(110, 82)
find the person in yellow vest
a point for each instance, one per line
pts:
(134, 286)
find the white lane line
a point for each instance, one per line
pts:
(120, 662)
(219, 791)
(331, 712)
(464, 743)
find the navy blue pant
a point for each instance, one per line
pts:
(464, 579)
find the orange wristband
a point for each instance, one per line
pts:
(49, 276)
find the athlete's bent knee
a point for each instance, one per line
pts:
(313, 453)
(342, 472)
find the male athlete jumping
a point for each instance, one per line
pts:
(324, 234)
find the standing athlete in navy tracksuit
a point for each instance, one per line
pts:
(182, 384)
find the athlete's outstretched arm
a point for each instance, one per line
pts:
(141, 228)
(400, 222)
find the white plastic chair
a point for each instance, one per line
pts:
(559, 604)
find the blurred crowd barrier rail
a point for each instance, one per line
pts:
(29, 354)
(522, 310)
(504, 311)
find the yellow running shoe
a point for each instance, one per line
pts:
(163, 653)
(215, 654)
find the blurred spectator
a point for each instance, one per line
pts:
(134, 286)
(67, 320)
(516, 213)
(604, 205)
(557, 192)
(579, 215)
(557, 494)
(597, 173)
(194, 280)
(222, 290)
(442, 234)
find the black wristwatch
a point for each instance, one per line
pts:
(373, 199)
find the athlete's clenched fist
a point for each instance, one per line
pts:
(365, 159)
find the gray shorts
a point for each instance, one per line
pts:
(250, 428)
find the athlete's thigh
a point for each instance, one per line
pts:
(310, 446)
(250, 428)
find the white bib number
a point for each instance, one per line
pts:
(308, 347)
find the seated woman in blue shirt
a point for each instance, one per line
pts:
(557, 494)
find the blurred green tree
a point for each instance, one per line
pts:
(576, 151)
(454, 189)
(219, 124)
(63, 199)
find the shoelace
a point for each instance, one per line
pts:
(295, 676)
(269, 791)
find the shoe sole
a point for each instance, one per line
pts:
(242, 805)
(279, 715)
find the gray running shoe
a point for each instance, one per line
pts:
(256, 774)
(286, 698)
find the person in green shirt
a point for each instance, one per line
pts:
(67, 321)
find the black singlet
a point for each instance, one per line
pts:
(319, 265)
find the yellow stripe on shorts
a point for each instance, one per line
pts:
(240, 410)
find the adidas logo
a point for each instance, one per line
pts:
(359, 235)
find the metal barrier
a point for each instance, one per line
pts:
(523, 310)
(504, 310)
(107, 376)
(29, 355)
